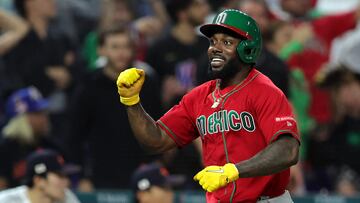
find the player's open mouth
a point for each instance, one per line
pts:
(217, 62)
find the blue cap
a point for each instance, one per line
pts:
(24, 101)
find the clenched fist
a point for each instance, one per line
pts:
(129, 84)
(212, 178)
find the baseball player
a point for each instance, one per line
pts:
(248, 131)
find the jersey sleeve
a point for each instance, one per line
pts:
(178, 122)
(275, 116)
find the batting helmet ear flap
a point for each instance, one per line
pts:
(247, 51)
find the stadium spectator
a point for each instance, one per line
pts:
(45, 54)
(102, 145)
(175, 56)
(44, 58)
(312, 55)
(306, 54)
(152, 183)
(347, 183)
(341, 78)
(12, 29)
(45, 181)
(26, 130)
(297, 10)
(123, 12)
(77, 18)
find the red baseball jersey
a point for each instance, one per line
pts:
(234, 123)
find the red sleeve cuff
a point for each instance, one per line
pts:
(281, 132)
(170, 133)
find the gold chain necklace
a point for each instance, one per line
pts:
(217, 90)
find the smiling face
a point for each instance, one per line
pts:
(224, 61)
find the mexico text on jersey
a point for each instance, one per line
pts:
(225, 120)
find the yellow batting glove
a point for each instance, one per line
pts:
(129, 84)
(212, 178)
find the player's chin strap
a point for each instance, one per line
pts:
(226, 153)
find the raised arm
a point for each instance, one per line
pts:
(14, 29)
(150, 136)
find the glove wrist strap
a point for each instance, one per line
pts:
(234, 171)
(130, 101)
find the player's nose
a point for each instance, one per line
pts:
(215, 49)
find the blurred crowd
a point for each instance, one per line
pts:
(59, 60)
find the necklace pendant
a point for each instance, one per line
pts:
(215, 104)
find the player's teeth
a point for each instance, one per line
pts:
(217, 62)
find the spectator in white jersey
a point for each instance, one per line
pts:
(45, 181)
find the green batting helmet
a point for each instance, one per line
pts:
(242, 25)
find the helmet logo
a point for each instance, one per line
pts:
(221, 18)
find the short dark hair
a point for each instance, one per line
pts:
(118, 29)
(341, 75)
(20, 7)
(173, 7)
(29, 181)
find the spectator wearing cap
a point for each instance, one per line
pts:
(27, 129)
(152, 183)
(45, 181)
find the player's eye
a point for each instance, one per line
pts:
(227, 42)
(212, 42)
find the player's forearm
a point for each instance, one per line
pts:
(145, 130)
(278, 156)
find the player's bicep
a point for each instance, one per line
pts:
(289, 145)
